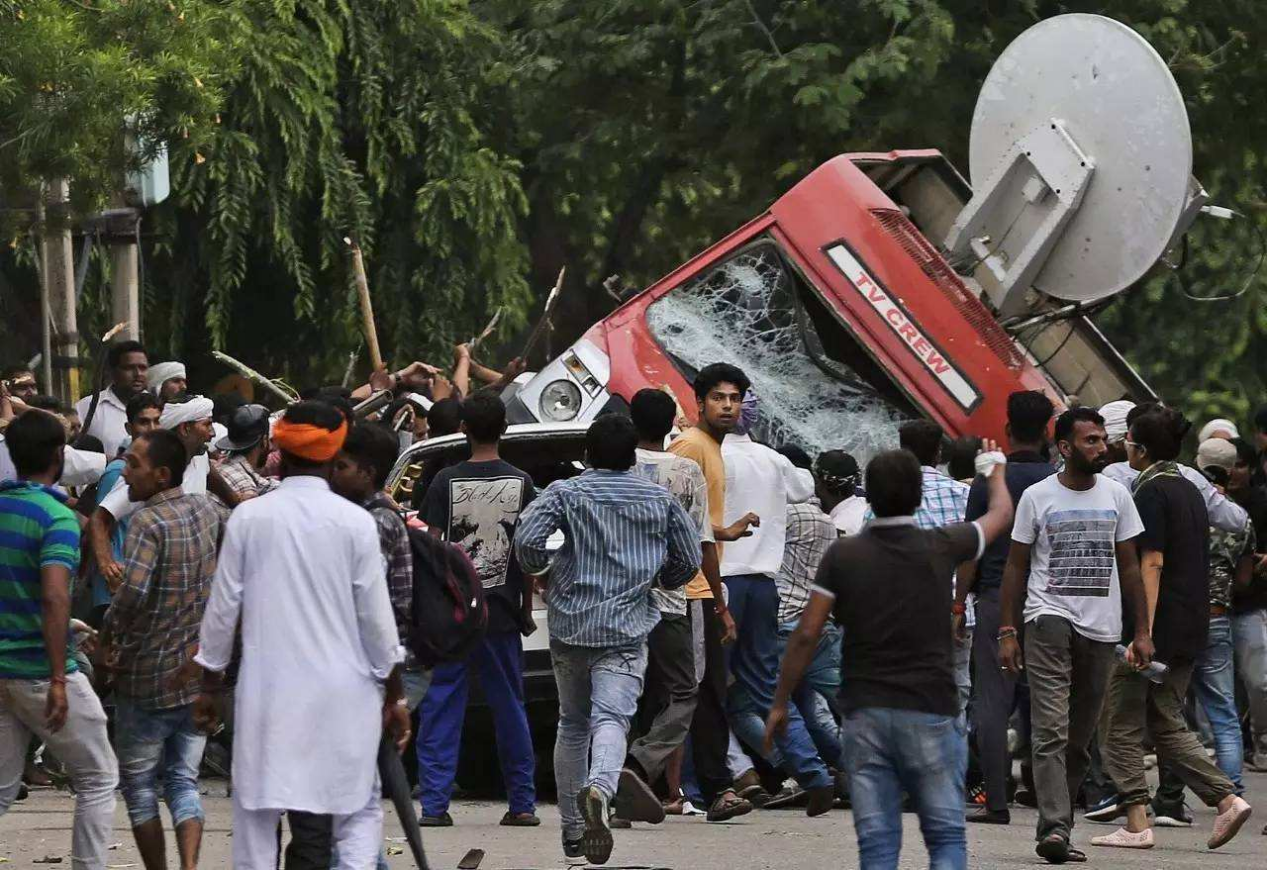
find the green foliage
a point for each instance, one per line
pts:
(74, 75)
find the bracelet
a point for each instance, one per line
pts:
(1005, 632)
(958, 608)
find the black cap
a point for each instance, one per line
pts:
(247, 426)
(838, 470)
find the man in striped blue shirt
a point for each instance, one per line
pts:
(621, 532)
(42, 691)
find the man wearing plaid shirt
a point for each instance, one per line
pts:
(945, 502)
(149, 637)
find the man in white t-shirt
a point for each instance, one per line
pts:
(1072, 566)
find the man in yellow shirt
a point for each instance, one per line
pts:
(719, 390)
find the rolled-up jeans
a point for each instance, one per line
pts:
(888, 752)
(150, 739)
(599, 689)
(81, 744)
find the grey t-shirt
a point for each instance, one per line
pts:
(685, 480)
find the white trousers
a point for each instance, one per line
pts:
(357, 837)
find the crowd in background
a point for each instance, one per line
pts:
(731, 626)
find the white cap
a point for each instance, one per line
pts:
(1218, 425)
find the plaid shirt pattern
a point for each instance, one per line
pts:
(169, 559)
(945, 500)
(393, 539)
(809, 533)
(237, 473)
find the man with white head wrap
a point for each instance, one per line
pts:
(167, 380)
(1225, 514)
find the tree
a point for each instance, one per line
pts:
(74, 76)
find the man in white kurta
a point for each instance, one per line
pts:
(302, 568)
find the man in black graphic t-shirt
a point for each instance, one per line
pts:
(476, 505)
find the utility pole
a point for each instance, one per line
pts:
(125, 304)
(58, 280)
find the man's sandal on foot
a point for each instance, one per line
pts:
(728, 806)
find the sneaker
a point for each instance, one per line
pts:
(1226, 825)
(790, 795)
(1107, 811)
(597, 841)
(636, 800)
(1172, 815)
(976, 796)
(1124, 839)
(444, 820)
(573, 853)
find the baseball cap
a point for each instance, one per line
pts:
(246, 426)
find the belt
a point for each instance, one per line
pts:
(1218, 610)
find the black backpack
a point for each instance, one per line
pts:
(449, 614)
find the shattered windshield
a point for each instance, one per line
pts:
(747, 312)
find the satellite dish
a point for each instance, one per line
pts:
(1081, 162)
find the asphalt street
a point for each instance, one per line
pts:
(39, 828)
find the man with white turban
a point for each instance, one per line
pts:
(190, 420)
(167, 380)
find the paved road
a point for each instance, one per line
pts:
(785, 840)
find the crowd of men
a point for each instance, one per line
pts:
(732, 627)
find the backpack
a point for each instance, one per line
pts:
(449, 614)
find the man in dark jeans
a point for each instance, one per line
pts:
(994, 689)
(1071, 567)
(902, 728)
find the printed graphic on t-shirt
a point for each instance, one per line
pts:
(482, 522)
(1082, 552)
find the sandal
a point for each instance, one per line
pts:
(520, 820)
(728, 806)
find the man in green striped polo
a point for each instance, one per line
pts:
(42, 692)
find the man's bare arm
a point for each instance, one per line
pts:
(100, 528)
(55, 616)
(1135, 600)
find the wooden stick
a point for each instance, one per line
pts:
(251, 374)
(488, 330)
(367, 307)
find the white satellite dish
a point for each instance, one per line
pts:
(1081, 162)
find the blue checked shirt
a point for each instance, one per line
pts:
(621, 532)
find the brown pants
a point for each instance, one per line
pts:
(1135, 702)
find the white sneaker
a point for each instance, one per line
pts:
(1227, 824)
(1124, 839)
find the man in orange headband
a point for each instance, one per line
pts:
(287, 566)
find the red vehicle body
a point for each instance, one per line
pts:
(900, 317)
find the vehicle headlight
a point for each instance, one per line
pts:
(560, 401)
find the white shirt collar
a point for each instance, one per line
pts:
(885, 522)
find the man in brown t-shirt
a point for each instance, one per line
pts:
(901, 729)
(719, 390)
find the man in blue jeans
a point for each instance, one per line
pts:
(901, 730)
(149, 637)
(475, 505)
(621, 532)
(763, 482)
